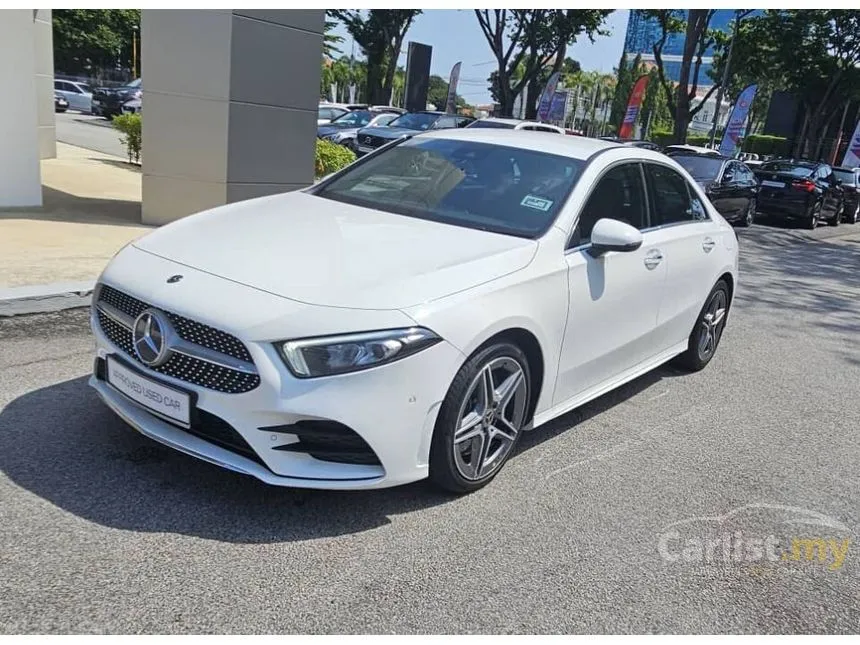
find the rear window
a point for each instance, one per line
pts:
(798, 170)
(701, 168)
(476, 185)
(501, 125)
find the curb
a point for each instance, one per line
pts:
(45, 298)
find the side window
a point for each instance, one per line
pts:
(445, 122)
(58, 85)
(620, 195)
(731, 174)
(462, 122)
(74, 88)
(673, 201)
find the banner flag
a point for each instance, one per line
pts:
(451, 103)
(852, 154)
(637, 94)
(546, 96)
(737, 119)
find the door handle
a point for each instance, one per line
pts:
(708, 245)
(653, 258)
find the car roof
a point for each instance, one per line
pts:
(574, 147)
(699, 155)
(497, 119)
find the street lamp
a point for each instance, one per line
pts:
(134, 51)
(740, 14)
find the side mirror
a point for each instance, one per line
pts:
(613, 235)
(728, 178)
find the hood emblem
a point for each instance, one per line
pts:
(173, 279)
(151, 337)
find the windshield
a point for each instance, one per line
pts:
(492, 124)
(134, 83)
(385, 119)
(701, 168)
(416, 121)
(357, 118)
(788, 168)
(846, 176)
(475, 185)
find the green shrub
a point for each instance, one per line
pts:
(130, 126)
(765, 144)
(666, 138)
(331, 157)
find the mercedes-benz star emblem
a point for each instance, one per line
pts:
(150, 337)
(174, 278)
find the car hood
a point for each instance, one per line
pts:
(386, 132)
(323, 252)
(331, 128)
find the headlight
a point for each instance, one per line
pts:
(330, 355)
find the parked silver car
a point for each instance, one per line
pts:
(79, 95)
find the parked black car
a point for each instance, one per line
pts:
(801, 190)
(729, 184)
(369, 139)
(108, 101)
(850, 178)
(60, 103)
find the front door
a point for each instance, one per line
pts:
(614, 299)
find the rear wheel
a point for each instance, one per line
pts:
(708, 330)
(834, 221)
(749, 215)
(481, 419)
(855, 215)
(811, 219)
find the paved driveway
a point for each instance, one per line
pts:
(613, 518)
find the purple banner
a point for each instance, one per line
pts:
(737, 119)
(546, 96)
(556, 107)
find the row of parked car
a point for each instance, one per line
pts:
(100, 101)
(740, 188)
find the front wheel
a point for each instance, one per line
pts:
(481, 419)
(708, 330)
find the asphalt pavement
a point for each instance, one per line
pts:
(88, 131)
(600, 523)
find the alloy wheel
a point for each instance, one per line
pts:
(490, 418)
(712, 325)
(750, 214)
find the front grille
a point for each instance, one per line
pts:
(185, 368)
(373, 142)
(327, 441)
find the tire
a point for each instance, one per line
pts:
(838, 216)
(699, 351)
(811, 219)
(749, 217)
(855, 215)
(473, 440)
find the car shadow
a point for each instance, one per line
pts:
(64, 445)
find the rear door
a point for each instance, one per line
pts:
(831, 192)
(688, 237)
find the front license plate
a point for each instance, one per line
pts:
(154, 396)
(773, 184)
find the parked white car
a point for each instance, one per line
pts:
(79, 95)
(515, 124)
(415, 313)
(328, 112)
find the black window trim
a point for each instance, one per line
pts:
(691, 192)
(568, 249)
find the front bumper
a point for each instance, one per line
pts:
(392, 408)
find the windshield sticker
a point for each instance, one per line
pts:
(538, 203)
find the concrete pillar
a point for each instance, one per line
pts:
(43, 42)
(20, 176)
(230, 106)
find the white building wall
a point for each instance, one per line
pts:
(20, 177)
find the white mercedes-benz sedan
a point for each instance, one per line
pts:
(412, 315)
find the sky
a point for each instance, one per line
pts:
(454, 35)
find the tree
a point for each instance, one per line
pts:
(437, 93)
(87, 41)
(533, 38)
(626, 77)
(330, 40)
(697, 39)
(814, 54)
(379, 33)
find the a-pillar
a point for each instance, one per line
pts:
(229, 106)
